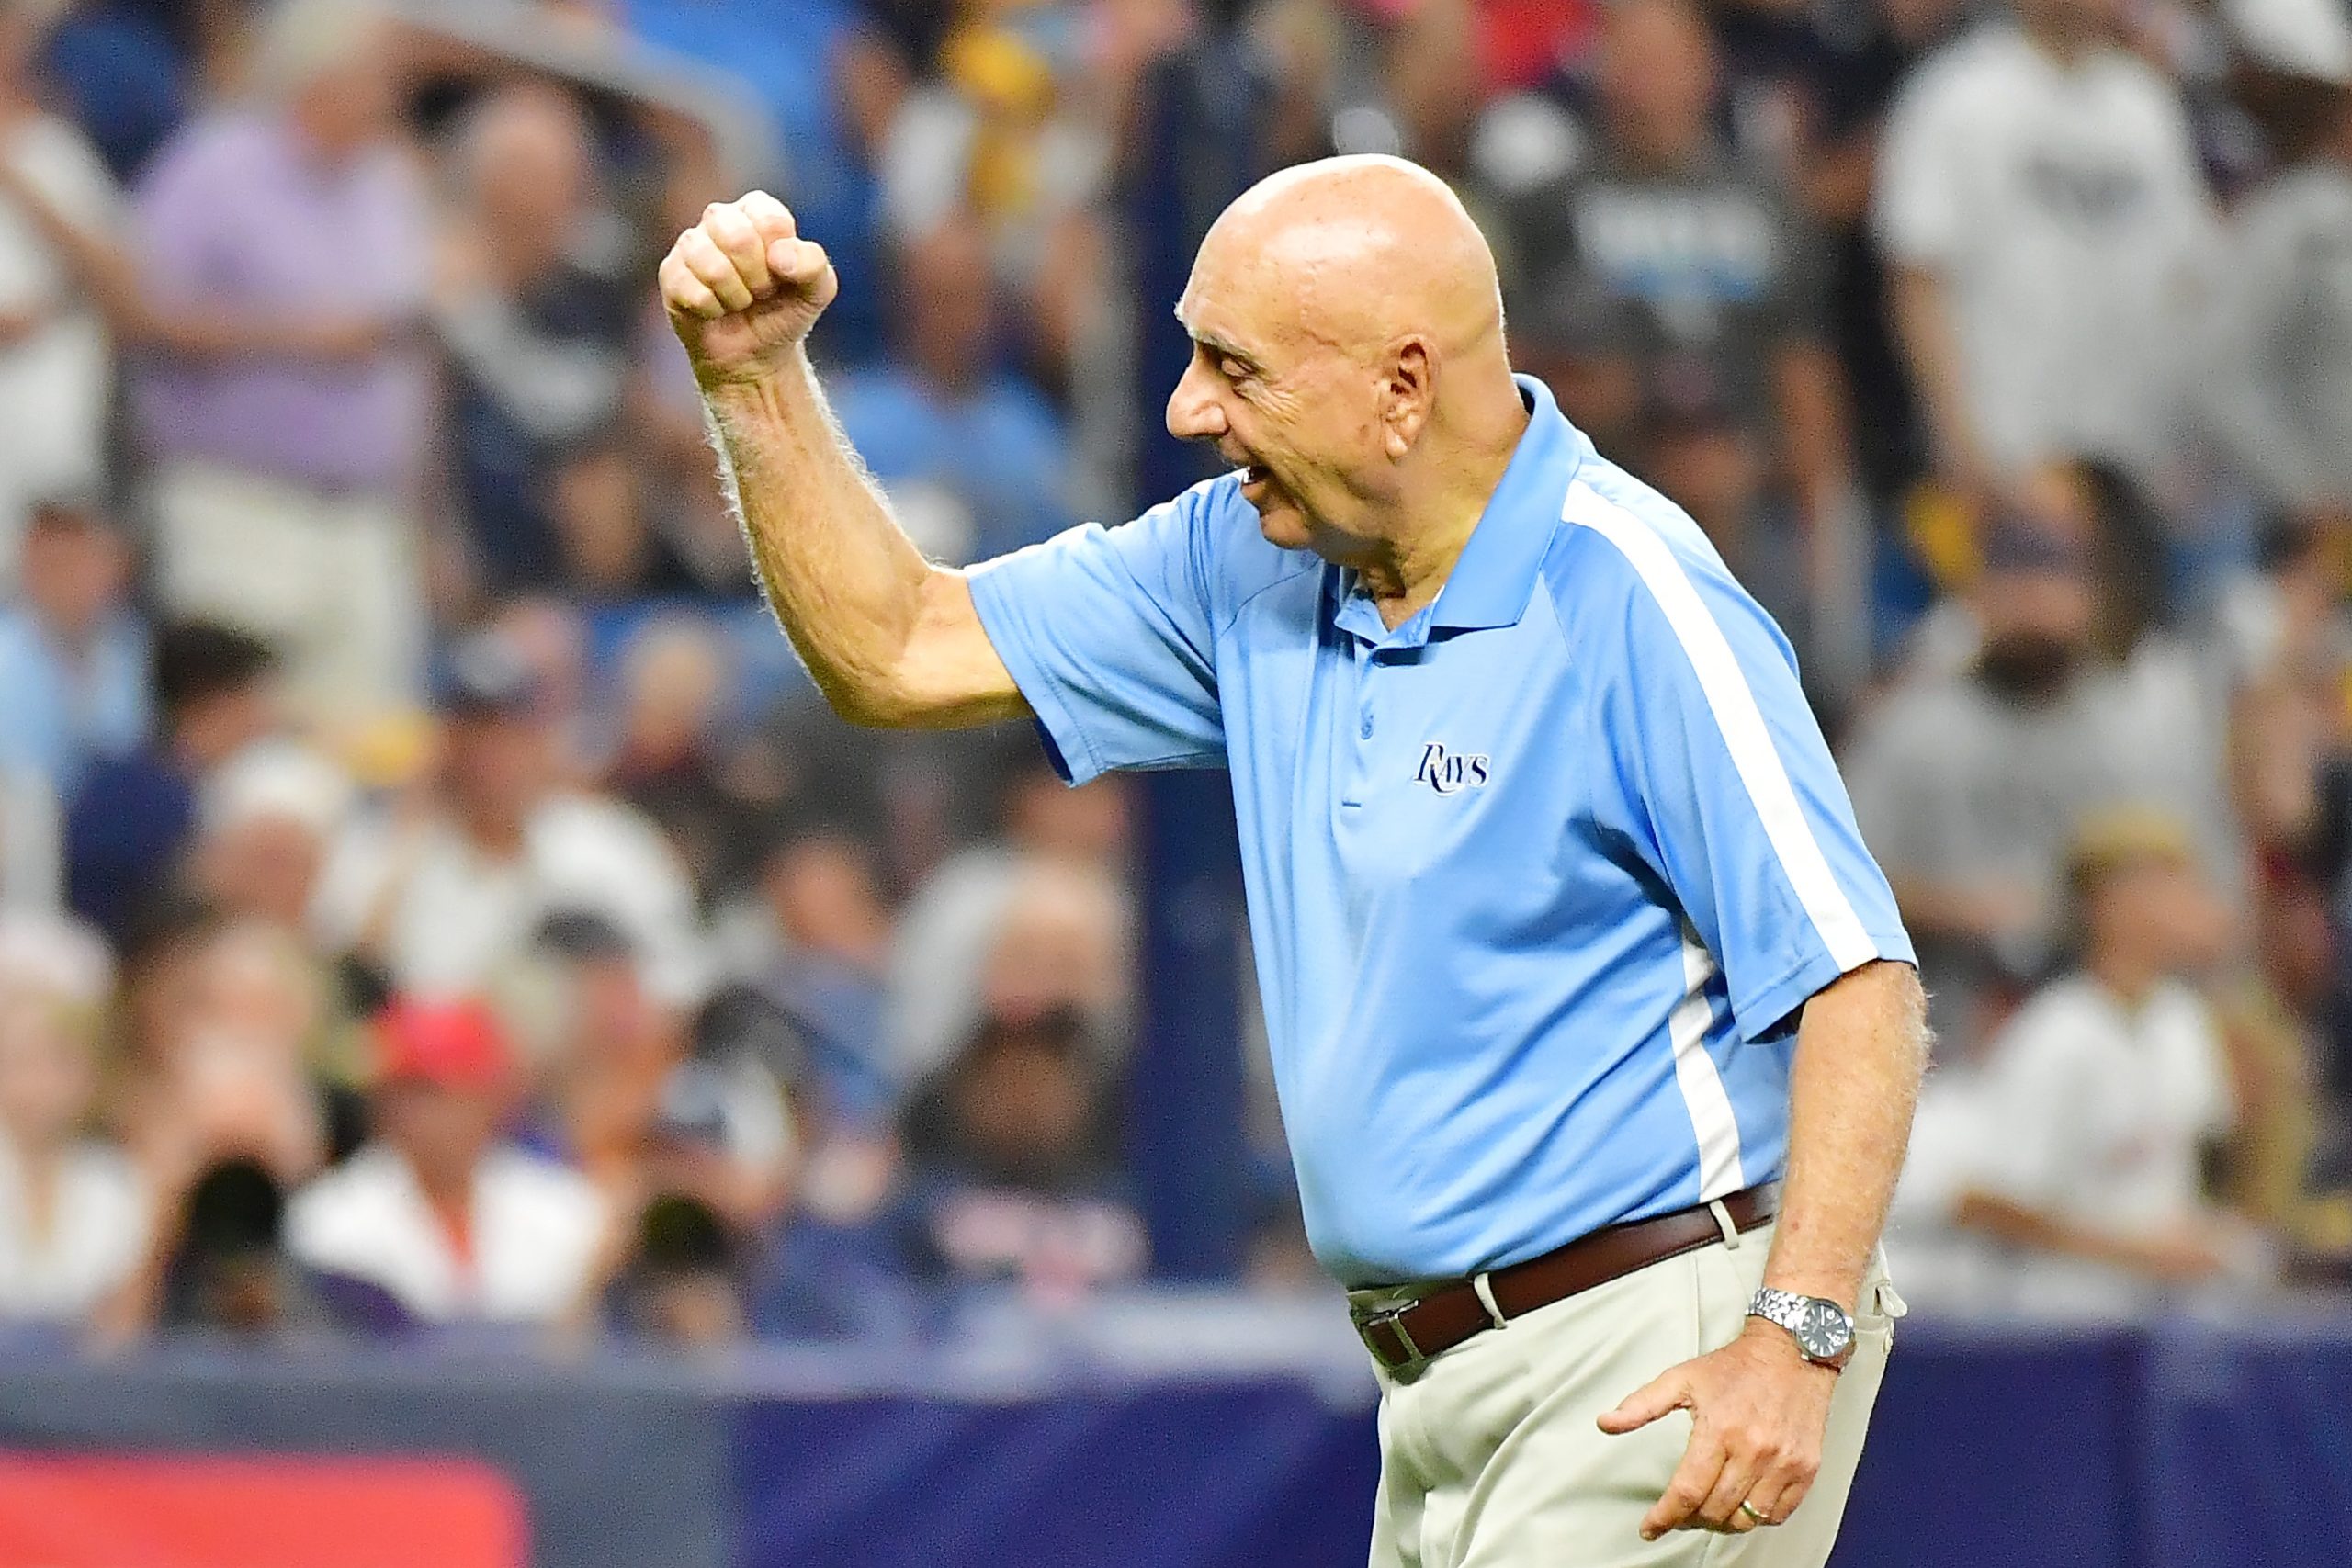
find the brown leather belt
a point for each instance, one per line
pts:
(1408, 1335)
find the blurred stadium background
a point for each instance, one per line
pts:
(492, 1074)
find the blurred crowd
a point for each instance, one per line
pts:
(432, 899)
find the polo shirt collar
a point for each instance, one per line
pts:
(1494, 577)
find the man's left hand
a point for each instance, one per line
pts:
(1759, 1411)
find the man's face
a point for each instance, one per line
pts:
(2038, 625)
(1024, 1110)
(1299, 415)
(2162, 910)
(497, 762)
(1088, 824)
(266, 866)
(949, 299)
(1658, 78)
(441, 1131)
(355, 102)
(533, 173)
(73, 572)
(46, 1078)
(217, 727)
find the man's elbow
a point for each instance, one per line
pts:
(912, 694)
(871, 702)
(1882, 1000)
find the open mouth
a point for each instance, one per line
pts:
(1254, 477)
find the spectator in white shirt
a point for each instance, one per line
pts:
(2041, 206)
(73, 1217)
(56, 364)
(941, 954)
(453, 1220)
(448, 903)
(2096, 1106)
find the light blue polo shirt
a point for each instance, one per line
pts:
(1537, 881)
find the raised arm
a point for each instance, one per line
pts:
(892, 639)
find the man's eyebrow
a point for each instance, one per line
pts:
(1221, 344)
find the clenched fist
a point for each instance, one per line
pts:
(743, 288)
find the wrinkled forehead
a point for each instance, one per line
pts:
(1233, 301)
(1273, 292)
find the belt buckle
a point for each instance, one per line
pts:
(1406, 1358)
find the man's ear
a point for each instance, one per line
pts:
(1408, 394)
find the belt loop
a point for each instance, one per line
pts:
(1482, 1283)
(1722, 1222)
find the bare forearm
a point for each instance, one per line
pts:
(848, 586)
(889, 639)
(2037, 1230)
(1860, 1051)
(1923, 323)
(1813, 409)
(199, 331)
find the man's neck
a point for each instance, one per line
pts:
(1410, 570)
(517, 259)
(496, 835)
(2066, 46)
(72, 636)
(1664, 157)
(2125, 975)
(448, 1192)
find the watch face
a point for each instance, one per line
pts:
(1822, 1331)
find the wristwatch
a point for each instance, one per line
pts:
(1823, 1330)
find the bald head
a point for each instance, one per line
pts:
(1361, 250)
(1349, 347)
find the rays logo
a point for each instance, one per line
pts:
(1449, 773)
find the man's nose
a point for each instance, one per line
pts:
(1193, 413)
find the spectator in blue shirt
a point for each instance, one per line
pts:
(73, 654)
(133, 815)
(975, 460)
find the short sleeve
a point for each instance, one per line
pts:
(177, 206)
(1916, 206)
(1727, 787)
(1109, 634)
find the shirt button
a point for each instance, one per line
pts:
(1367, 727)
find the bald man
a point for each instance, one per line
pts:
(1569, 945)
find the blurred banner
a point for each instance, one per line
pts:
(279, 1512)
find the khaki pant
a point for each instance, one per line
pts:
(1489, 1456)
(333, 582)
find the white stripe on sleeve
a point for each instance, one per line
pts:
(1711, 1117)
(1733, 703)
